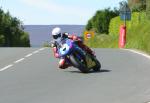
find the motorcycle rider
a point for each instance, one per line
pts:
(57, 37)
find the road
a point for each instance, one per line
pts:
(31, 75)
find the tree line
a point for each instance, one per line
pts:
(137, 5)
(100, 21)
(12, 32)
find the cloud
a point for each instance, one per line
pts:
(42, 4)
(56, 8)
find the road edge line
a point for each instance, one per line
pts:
(138, 52)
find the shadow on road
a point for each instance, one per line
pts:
(101, 71)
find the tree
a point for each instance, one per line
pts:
(100, 21)
(11, 31)
(1, 28)
(137, 5)
(89, 25)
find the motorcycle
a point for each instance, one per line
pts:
(77, 57)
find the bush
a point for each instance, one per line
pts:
(138, 34)
(115, 23)
(148, 9)
(24, 40)
(139, 37)
(1, 40)
(103, 41)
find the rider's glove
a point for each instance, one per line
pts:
(52, 45)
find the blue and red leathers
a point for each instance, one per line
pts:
(62, 63)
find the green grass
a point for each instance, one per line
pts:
(111, 40)
(103, 41)
(138, 34)
(115, 23)
(139, 37)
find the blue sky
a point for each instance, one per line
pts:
(55, 11)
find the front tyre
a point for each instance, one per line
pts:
(98, 66)
(81, 65)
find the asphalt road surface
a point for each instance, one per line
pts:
(31, 75)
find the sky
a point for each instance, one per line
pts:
(51, 12)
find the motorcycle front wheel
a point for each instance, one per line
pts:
(79, 63)
(98, 64)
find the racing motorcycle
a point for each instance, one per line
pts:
(77, 57)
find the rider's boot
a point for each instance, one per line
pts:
(63, 64)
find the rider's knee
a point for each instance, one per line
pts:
(61, 63)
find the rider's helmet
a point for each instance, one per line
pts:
(56, 33)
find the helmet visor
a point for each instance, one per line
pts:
(57, 36)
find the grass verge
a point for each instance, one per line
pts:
(138, 37)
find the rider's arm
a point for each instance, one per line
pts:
(73, 37)
(56, 54)
(55, 50)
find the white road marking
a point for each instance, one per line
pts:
(29, 55)
(6, 67)
(137, 52)
(41, 49)
(19, 60)
(35, 52)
